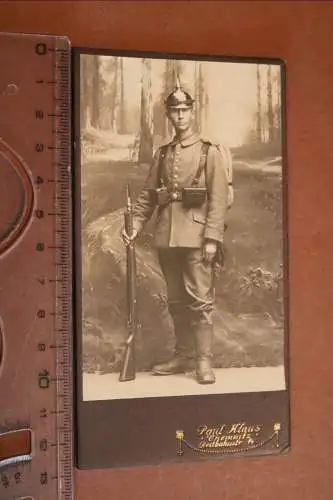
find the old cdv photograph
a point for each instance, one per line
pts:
(181, 258)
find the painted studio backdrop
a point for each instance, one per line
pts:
(122, 122)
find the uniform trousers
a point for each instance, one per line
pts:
(190, 288)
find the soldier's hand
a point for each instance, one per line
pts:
(128, 239)
(209, 250)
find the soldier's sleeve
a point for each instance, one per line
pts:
(217, 185)
(145, 204)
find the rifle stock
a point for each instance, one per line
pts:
(128, 365)
(128, 371)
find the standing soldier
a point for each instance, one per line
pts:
(188, 184)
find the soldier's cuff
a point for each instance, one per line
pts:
(213, 234)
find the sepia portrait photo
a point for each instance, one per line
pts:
(182, 238)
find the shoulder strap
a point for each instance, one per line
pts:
(202, 163)
(162, 155)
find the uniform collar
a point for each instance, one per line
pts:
(192, 138)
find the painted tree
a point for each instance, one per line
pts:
(146, 114)
(196, 96)
(172, 73)
(122, 110)
(259, 107)
(114, 94)
(270, 113)
(96, 91)
(206, 110)
(201, 98)
(277, 102)
(84, 93)
(111, 88)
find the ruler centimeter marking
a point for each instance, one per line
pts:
(49, 473)
(63, 285)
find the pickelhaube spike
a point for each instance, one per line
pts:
(179, 97)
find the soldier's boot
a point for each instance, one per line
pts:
(178, 364)
(183, 359)
(204, 359)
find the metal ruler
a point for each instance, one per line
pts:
(36, 438)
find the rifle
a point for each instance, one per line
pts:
(128, 363)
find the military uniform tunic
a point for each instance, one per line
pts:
(180, 232)
(177, 226)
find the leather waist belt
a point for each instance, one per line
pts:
(191, 197)
(176, 196)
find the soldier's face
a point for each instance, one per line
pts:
(181, 118)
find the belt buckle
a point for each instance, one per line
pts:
(175, 196)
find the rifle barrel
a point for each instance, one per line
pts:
(128, 364)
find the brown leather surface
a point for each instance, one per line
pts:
(301, 34)
(13, 444)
